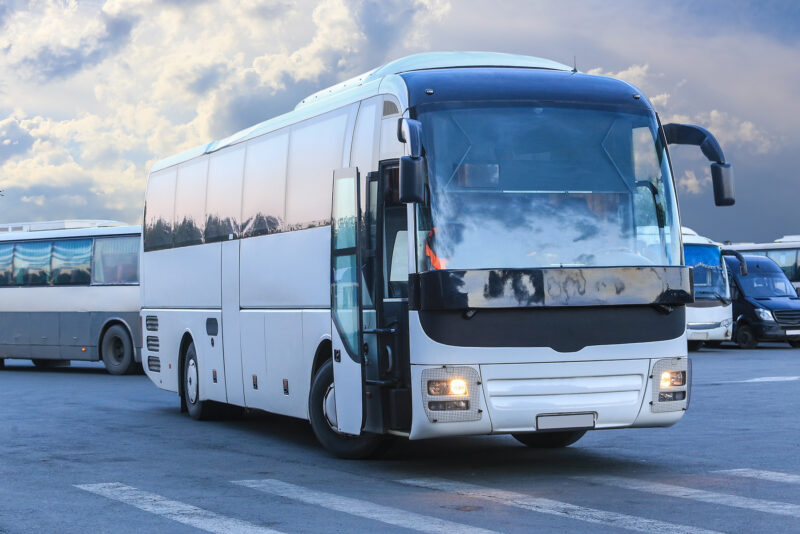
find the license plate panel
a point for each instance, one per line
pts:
(793, 332)
(572, 421)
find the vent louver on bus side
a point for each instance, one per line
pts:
(151, 323)
(154, 364)
(152, 343)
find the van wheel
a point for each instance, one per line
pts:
(794, 343)
(549, 440)
(745, 337)
(116, 350)
(322, 415)
(695, 345)
(197, 409)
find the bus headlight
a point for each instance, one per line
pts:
(670, 385)
(673, 378)
(451, 394)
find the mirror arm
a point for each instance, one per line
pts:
(738, 256)
(685, 134)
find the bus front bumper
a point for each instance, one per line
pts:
(716, 331)
(512, 398)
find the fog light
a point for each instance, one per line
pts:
(671, 379)
(455, 386)
(671, 396)
(440, 406)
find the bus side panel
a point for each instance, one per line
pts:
(254, 358)
(284, 348)
(44, 335)
(15, 332)
(184, 277)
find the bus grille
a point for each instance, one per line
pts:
(787, 317)
(151, 323)
(152, 343)
(154, 364)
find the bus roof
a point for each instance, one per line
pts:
(362, 86)
(38, 226)
(62, 233)
(690, 237)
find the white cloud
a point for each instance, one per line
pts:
(693, 185)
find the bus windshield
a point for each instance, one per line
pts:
(710, 274)
(766, 285)
(531, 185)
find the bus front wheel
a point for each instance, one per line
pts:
(116, 349)
(549, 440)
(197, 409)
(322, 415)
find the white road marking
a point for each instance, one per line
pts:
(772, 476)
(174, 510)
(765, 379)
(669, 490)
(549, 506)
(384, 514)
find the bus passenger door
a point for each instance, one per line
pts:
(346, 304)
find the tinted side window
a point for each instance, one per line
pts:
(264, 199)
(786, 260)
(159, 210)
(190, 203)
(6, 263)
(116, 260)
(71, 262)
(315, 150)
(224, 199)
(32, 263)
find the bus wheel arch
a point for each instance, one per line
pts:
(115, 347)
(324, 352)
(186, 340)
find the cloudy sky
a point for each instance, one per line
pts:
(93, 92)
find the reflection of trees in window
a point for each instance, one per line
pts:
(6, 259)
(220, 229)
(157, 235)
(32, 263)
(71, 262)
(262, 224)
(187, 233)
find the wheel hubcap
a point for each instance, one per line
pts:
(329, 408)
(117, 350)
(191, 381)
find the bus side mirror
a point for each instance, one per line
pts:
(722, 179)
(721, 173)
(412, 179)
(412, 168)
(738, 255)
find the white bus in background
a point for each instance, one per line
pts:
(709, 318)
(784, 251)
(446, 245)
(71, 294)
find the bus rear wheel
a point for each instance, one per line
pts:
(549, 440)
(322, 415)
(116, 350)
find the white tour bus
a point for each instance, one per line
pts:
(709, 319)
(783, 251)
(70, 293)
(446, 245)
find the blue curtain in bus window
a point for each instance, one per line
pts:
(6, 262)
(32, 263)
(72, 262)
(116, 260)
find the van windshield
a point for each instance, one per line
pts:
(709, 272)
(531, 185)
(766, 285)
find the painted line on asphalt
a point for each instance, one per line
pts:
(557, 508)
(771, 476)
(766, 379)
(174, 510)
(357, 507)
(711, 497)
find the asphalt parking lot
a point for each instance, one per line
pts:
(83, 451)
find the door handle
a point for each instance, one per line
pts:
(337, 355)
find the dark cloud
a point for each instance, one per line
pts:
(14, 140)
(207, 79)
(51, 63)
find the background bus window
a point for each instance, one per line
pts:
(32, 263)
(116, 260)
(263, 201)
(224, 197)
(159, 209)
(786, 260)
(6, 262)
(72, 262)
(190, 203)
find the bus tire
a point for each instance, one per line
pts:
(549, 440)
(2, 363)
(51, 364)
(695, 345)
(745, 337)
(341, 445)
(197, 409)
(116, 350)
